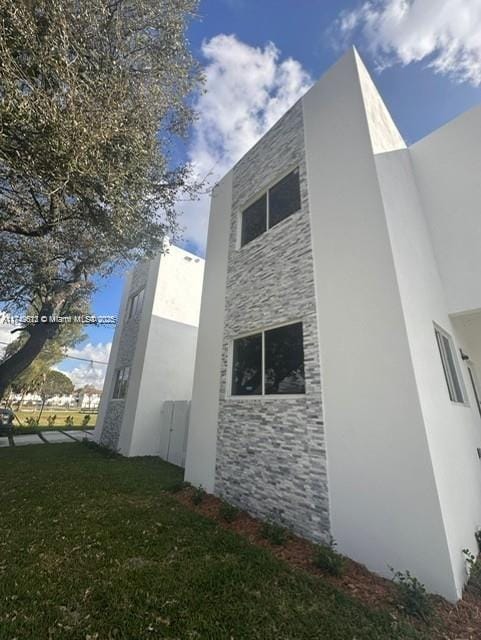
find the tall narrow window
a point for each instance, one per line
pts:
(254, 220)
(247, 366)
(121, 383)
(450, 366)
(135, 304)
(268, 363)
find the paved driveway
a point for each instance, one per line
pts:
(48, 437)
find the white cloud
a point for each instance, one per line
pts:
(88, 373)
(247, 89)
(445, 35)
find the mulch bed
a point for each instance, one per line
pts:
(448, 622)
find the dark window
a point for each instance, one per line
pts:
(121, 382)
(284, 360)
(254, 220)
(284, 198)
(135, 304)
(247, 366)
(446, 349)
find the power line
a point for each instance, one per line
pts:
(67, 357)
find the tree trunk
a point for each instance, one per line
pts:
(13, 366)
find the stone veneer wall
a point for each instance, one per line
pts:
(127, 343)
(271, 456)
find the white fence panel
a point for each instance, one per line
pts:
(174, 430)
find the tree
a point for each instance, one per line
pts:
(54, 383)
(54, 350)
(93, 95)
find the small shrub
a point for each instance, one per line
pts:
(69, 421)
(414, 597)
(177, 486)
(228, 512)
(86, 420)
(477, 535)
(327, 559)
(198, 495)
(100, 448)
(51, 420)
(31, 421)
(274, 533)
(473, 567)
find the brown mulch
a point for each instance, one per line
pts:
(449, 622)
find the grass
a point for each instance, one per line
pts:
(61, 414)
(92, 548)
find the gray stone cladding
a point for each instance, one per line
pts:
(129, 330)
(271, 453)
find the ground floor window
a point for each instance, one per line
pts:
(270, 362)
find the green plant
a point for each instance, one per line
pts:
(327, 559)
(477, 535)
(51, 420)
(86, 420)
(31, 421)
(474, 571)
(177, 486)
(198, 495)
(273, 532)
(100, 448)
(69, 421)
(413, 595)
(228, 512)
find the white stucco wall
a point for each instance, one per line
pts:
(453, 430)
(163, 353)
(201, 444)
(385, 509)
(447, 164)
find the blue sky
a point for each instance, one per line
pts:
(424, 56)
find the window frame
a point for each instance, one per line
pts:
(263, 396)
(439, 332)
(258, 195)
(118, 370)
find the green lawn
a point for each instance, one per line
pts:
(91, 549)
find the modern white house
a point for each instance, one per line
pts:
(151, 362)
(339, 348)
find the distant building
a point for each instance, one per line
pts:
(152, 357)
(336, 380)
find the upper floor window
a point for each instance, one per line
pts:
(280, 201)
(269, 363)
(135, 303)
(450, 365)
(121, 383)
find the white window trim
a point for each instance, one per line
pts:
(269, 397)
(447, 374)
(265, 190)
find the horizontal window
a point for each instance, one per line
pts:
(121, 383)
(280, 201)
(450, 365)
(135, 304)
(269, 363)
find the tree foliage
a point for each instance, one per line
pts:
(93, 95)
